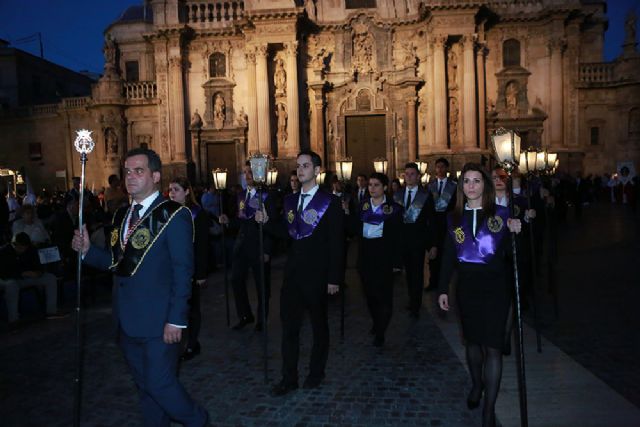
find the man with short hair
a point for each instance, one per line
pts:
(417, 233)
(362, 191)
(314, 268)
(151, 256)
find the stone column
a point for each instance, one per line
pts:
(469, 97)
(431, 117)
(293, 115)
(318, 144)
(440, 93)
(177, 109)
(556, 46)
(252, 107)
(411, 129)
(482, 103)
(262, 94)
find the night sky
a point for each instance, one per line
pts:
(72, 30)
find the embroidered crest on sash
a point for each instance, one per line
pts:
(365, 207)
(387, 209)
(309, 216)
(495, 224)
(291, 216)
(241, 205)
(141, 238)
(114, 236)
(459, 235)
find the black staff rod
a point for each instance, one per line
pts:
(224, 258)
(534, 274)
(522, 383)
(265, 336)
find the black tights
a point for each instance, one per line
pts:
(485, 366)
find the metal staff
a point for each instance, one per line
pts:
(534, 274)
(220, 182)
(506, 144)
(84, 145)
(259, 168)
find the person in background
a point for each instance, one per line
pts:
(31, 225)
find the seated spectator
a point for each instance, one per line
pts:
(21, 269)
(31, 225)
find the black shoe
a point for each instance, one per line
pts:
(283, 388)
(258, 327)
(312, 382)
(242, 323)
(378, 341)
(190, 352)
(473, 399)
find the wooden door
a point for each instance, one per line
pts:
(365, 140)
(223, 155)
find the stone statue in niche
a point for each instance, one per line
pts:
(630, 28)
(196, 120)
(281, 113)
(511, 95)
(400, 131)
(109, 50)
(452, 69)
(329, 131)
(453, 118)
(110, 142)
(363, 45)
(242, 118)
(280, 77)
(219, 111)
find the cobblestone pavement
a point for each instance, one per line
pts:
(598, 276)
(415, 380)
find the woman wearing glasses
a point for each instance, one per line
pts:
(476, 246)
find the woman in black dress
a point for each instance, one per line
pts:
(477, 247)
(377, 223)
(180, 191)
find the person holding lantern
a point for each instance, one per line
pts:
(477, 247)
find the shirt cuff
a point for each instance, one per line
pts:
(177, 326)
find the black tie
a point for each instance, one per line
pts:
(361, 195)
(409, 198)
(135, 216)
(440, 187)
(301, 205)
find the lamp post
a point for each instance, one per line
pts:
(506, 144)
(259, 169)
(220, 182)
(84, 145)
(344, 168)
(380, 165)
(549, 165)
(528, 166)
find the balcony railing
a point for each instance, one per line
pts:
(75, 103)
(135, 91)
(213, 13)
(597, 72)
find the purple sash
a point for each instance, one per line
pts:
(247, 208)
(481, 248)
(301, 226)
(388, 209)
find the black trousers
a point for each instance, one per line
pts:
(414, 272)
(293, 304)
(376, 274)
(195, 315)
(239, 272)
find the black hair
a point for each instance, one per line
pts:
(384, 179)
(247, 163)
(113, 178)
(412, 165)
(155, 164)
(293, 173)
(315, 158)
(443, 161)
(22, 239)
(362, 175)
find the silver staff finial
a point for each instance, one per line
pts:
(84, 143)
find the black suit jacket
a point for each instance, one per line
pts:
(419, 235)
(248, 238)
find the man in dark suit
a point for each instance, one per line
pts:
(443, 191)
(246, 253)
(152, 259)
(362, 191)
(417, 233)
(314, 268)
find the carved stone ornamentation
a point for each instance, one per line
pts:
(280, 76)
(110, 142)
(363, 49)
(511, 95)
(219, 111)
(454, 113)
(281, 114)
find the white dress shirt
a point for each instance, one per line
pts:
(475, 217)
(311, 193)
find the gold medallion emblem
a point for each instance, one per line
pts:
(310, 216)
(387, 209)
(459, 235)
(291, 216)
(365, 207)
(241, 205)
(141, 238)
(516, 210)
(114, 236)
(495, 224)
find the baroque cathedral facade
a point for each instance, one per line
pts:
(206, 83)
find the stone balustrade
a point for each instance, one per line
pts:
(597, 72)
(213, 13)
(136, 91)
(44, 109)
(75, 103)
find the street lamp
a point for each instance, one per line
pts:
(380, 165)
(344, 168)
(506, 145)
(425, 179)
(272, 177)
(220, 183)
(321, 178)
(458, 173)
(422, 166)
(219, 180)
(401, 179)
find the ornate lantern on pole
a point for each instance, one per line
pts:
(272, 177)
(321, 178)
(259, 169)
(344, 168)
(422, 166)
(380, 165)
(220, 183)
(506, 145)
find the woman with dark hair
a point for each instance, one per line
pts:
(477, 247)
(180, 191)
(378, 223)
